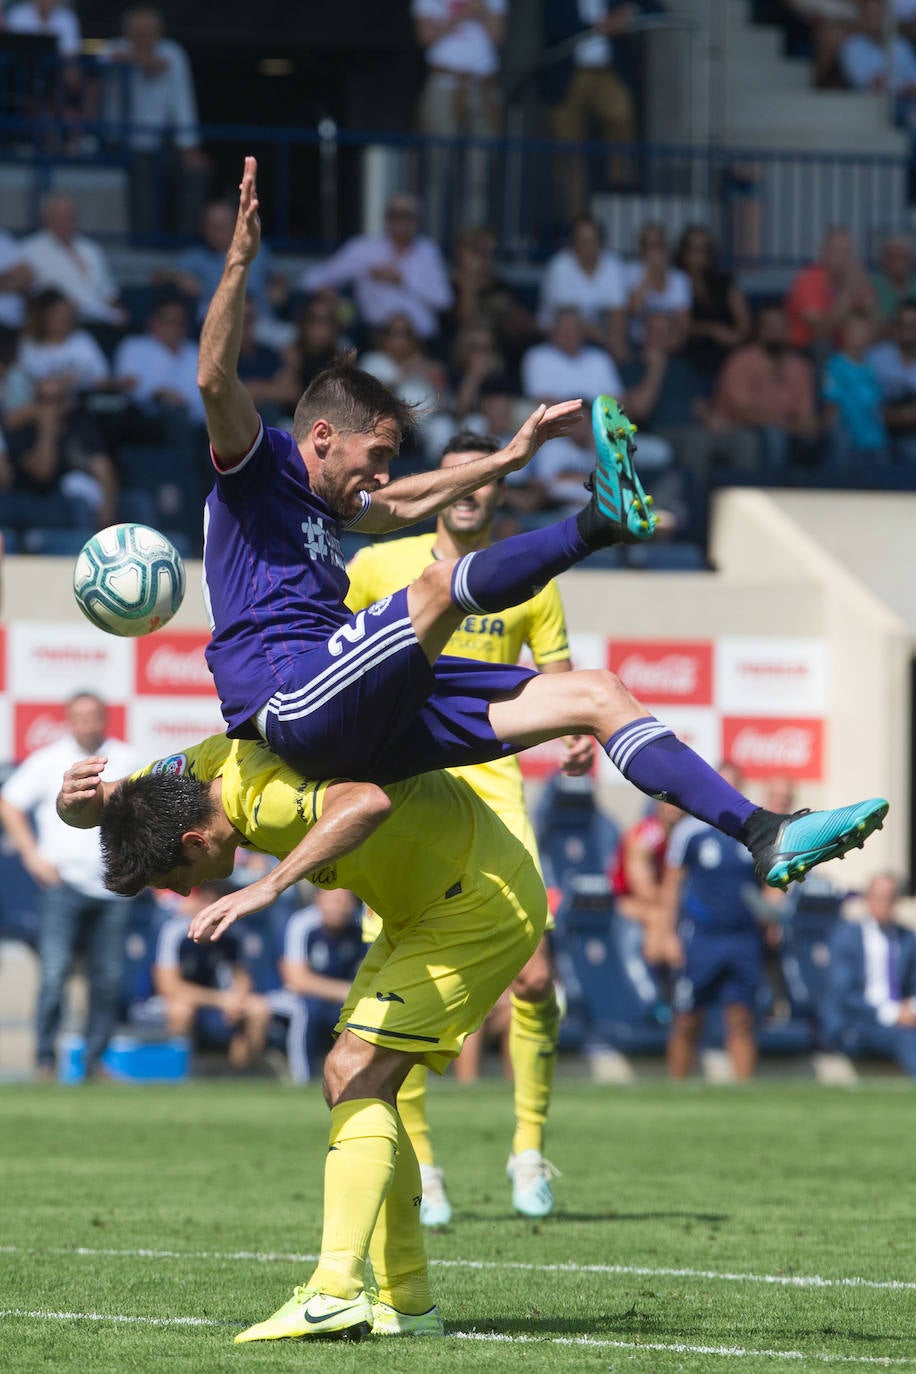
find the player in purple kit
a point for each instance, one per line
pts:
(367, 696)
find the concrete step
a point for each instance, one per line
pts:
(775, 78)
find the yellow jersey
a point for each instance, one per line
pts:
(439, 841)
(540, 623)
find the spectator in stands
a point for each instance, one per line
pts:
(205, 988)
(53, 346)
(828, 23)
(822, 295)
(77, 910)
(153, 95)
(461, 96)
(51, 18)
(15, 282)
(893, 362)
(398, 272)
(319, 339)
(261, 368)
(720, 319)
(635, 874)
(198, 269)
(476, 360)
(870, 1006)
(481, 295)
(863, 60)
(654, 287)
(66, 260)
(566, 360)
(712, 941)
(159, 368)
(588, 97)
(895, 282)
(401, 362)
(850, 389)
(322, 949)
(586, 275)
(764, 407)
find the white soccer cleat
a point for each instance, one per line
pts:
(388, 1321)
(435, 1208)
(530, 1172)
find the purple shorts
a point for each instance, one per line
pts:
(368, 706)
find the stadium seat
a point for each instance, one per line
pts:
(53, 542)
(812, 912)
(664, 557)
(574, 836)
(10, 539)
(613, 999)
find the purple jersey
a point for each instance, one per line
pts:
(274, 574)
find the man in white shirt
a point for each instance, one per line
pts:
(566, 360)
(398, 272)
(77, 910)
(48, 17)
(62, 258)
(159, 368)
(871, 995)
(592, 279)
(150, 89)
(863, 60)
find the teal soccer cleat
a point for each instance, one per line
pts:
(618, 500)
(785, 848)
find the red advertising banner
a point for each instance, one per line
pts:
(762, 746)
(664, 670)
(172, 664)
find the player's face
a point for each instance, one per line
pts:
(205, 865)
(357, 463)
(473, 513)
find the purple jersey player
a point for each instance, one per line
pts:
(367, 696)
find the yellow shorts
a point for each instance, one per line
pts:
(426, 984)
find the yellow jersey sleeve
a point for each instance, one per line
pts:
(204, 761)
(383, 568)
(548, 639)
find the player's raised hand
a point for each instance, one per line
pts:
(246, 238)
(547, 422)
(81, 790)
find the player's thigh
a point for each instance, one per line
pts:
(426, 988)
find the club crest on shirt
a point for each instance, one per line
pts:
(174, 766)
(322, 543)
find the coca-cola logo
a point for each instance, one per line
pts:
(176, 669)
(763, 747)
(663, 671)
(42, 730)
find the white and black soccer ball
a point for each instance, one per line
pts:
(129, 580)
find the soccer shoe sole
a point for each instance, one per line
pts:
(618, 491)
(830, 835)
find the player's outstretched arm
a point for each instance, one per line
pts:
(83, 794)
(413, 498)
(232, 421)
(351, 812)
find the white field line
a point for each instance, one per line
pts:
(611, 1270)
(592, 1342)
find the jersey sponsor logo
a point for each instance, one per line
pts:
(483, 625)
(380, 607)
(174, 766)
(709, 854)
(389, 997)
(321, 543)
(324, 877)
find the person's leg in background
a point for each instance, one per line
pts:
(58, 934)
(106, 925)
(435, 1208)
(534, 1029)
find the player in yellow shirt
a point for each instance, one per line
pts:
(540, 625)
(463, 907)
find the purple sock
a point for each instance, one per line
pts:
(508, 573)
(652, 759)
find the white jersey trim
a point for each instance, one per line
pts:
(237, 467)
(365, 503)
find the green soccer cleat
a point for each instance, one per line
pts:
(618, 500)
(388, 1321)
(310, 1313)
(786, 848)
(530, 1172)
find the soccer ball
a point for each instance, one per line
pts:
(128, 580)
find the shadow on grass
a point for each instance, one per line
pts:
(562, 1214)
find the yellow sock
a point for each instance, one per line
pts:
(357, 1175)
(534, 1028)
(412, 1111)
(396, 1250)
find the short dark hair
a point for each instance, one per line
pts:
(466, 441)
(142, 825)
(352, 400)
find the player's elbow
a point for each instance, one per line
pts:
(377, 804)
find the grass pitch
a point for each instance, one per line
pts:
(697, 1229)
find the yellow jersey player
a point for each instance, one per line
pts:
(463, 907)
(540, 625)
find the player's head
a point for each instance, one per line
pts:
(143, 27)
(87, 720)
(337, 907)
(158, 831)
(881, 897)
(402, 218)
(217, 224)
(349, 426)
(472, 514)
